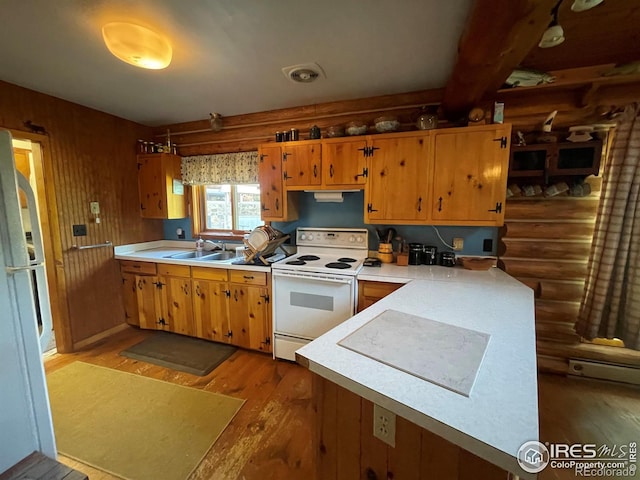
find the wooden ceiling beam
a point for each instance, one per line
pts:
(498, 36)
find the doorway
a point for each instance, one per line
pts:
(30, 152)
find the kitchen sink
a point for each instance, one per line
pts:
(203, 256)
(189, 255)
(220, 256)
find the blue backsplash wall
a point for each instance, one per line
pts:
(350, 214)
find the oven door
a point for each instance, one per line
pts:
(306, 305)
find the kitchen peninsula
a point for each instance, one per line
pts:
(440, 433)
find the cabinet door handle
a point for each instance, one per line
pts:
(365, 151)
(370, 208)
(159, 204)
(502, 140)
(284, 156)
(277, 204)
(419, 204)
(198, 290)
(140, 284)
(264, 208)
(365, 173)
(248, 277)
(440, 204)
(373, 149)
(315, 170)
(498, 208)
(285, 176)
(331, 170)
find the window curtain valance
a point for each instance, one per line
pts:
(232, 168)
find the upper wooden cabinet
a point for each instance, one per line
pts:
(470, 175)
(301, 164)
(160, 186)
(398, 179)
(344, 162)
(555, 159)
(454, 176)
(275, 203)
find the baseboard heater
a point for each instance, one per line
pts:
(604, 371)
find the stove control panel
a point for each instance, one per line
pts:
(333, 237)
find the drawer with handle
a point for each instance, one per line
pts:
(131, 266)
(247, 277)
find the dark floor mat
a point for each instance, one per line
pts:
(186, 354)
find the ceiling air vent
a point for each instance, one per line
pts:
(304, 73)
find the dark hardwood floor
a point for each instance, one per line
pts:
(270, 437)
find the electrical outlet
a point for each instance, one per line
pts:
(384, 425)
(95, 208)
(79, 230)
(458, 243)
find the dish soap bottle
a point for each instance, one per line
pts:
(199, 246)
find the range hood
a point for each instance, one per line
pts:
(326, 196)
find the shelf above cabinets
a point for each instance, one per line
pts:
(555, 159)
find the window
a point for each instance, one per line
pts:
(226, 209)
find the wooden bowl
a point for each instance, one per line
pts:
(476, 263)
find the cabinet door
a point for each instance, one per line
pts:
(248, 316)
(210, 308)
(397, 187)
(160, 186)
(470, 176)
(344, 163)
(301, 164)
(177, 306)
(270, 174)
(148, 300)
(130, 297)
(151, 186)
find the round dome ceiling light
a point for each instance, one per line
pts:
(137, 45)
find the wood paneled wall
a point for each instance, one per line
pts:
(89, 156)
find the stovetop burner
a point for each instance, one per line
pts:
(347, 260)
(308, 258)
(296, 262)
(339, 265)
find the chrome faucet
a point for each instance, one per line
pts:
(219, 244)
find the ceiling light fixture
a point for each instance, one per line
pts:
(582, 5)
(137, 45)
(554, 35)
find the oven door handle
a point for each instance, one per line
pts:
(320, 278)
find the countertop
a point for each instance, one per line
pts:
(158, 251)
(501, 412)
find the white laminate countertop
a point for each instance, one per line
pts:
(159, 250)
(502, 411)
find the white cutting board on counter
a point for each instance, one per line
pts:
(446, 355)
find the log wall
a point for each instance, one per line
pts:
(88, 156)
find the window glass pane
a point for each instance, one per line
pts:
(218, 205)
(247, 207)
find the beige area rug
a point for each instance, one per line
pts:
(134, 427)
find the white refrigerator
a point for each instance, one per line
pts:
(25, 414)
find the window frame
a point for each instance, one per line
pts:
(199, 217)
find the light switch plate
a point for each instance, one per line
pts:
(95, 208)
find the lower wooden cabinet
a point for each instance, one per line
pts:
(230, 306)
(176, 304)
(370, 292)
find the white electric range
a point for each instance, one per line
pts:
(316, 289)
